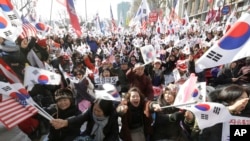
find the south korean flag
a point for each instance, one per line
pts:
(234, 45)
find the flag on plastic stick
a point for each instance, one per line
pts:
(24, 95)
(20, 96)
(15, 108)
(35, 75)
(12, 112)
(185, 93)
(234, 45)
(199, 93)
(208, 114)
(148, 54)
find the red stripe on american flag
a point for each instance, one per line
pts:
(114, 27)
(28, 31)
(12, 112)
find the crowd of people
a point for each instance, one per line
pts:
(117, 59)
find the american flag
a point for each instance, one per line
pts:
(114, 27)
(144, 25)
(14, 106)
(12, 112)
(28, 29)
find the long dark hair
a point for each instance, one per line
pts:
(106, 106)
(229, 94)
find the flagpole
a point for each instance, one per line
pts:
(51, 7)
(86, 10)
(178, 105)
(50, 22)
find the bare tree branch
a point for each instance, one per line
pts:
(26, 4)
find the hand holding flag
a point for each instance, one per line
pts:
(186, 91)
(208, 114)
(18, 106)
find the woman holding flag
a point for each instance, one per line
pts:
(170, 123)
(236, 99)
(64, 108)
(102, 122)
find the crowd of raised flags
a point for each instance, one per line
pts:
(16, 105)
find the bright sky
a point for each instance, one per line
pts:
(93, 6)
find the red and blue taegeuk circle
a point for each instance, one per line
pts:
(43, 79)
(236, 36)
(202, 107)
(195, 93)
(6, 6)
(3, 23)
(40, 26)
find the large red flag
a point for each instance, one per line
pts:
(73, 17)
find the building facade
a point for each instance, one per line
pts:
(198, 9)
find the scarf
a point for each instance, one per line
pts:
(97, 131)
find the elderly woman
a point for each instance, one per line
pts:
(137, 78)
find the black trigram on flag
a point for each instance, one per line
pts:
(214, 56)
(12, 17)
(216, 110)
(7, 33)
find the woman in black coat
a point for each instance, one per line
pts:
(170, 124)
(102, 122)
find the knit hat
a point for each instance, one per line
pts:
(63, 93)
